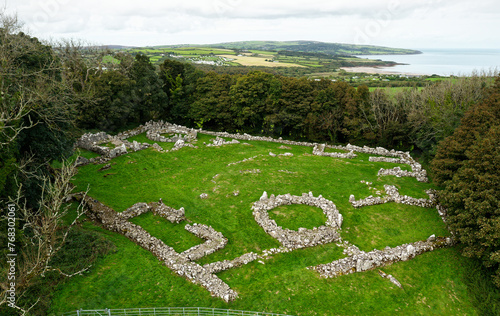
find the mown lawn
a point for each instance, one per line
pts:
(132, 277)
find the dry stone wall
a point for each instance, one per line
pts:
(364, 261)
(219, 266)
(319, 150)
(158, 208)
(155, 129)
(178, 263)
(216, 142)
(393, 196)
(303, 237)
(214, 241)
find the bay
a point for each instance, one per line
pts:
(443, 62)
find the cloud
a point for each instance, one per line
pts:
(385, 22)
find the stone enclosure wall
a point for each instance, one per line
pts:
(303, 237)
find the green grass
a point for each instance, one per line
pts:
(133, 277)
(296, 215)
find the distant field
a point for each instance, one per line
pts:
(200, 51)
(291, 59)
(258, 61)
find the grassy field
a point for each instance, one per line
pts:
(258, 61)
(433, 283)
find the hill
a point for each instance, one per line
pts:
(316, 47)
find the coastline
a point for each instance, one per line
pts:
(378, 70)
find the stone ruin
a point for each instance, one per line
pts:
(393, 196)
(92, 142)
(303, 237)
(364, 261)
(182, 263)
(157, 208)
(214, 241)
(404, 158)
(319, 150)
(179, 263)
(155, 129)
(220, 142)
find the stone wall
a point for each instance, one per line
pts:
(214, 241)
(319, 150)
(421, 175)
(303, 237)
(392, 196)
(219, 266)
(155, 129)
(363, 261)
(220, 142)
(178, 263)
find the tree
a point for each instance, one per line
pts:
(179, 83)
(288, 108)
(472, 199)
(467, 165)
(114, 102)
(149, 99)
(250, 97)
(434, 112)
(211, 108)
(478, 119)
(37, 102)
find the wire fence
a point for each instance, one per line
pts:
(161, 311)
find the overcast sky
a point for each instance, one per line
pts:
(395, 23)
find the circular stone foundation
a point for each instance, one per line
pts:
(302, 237)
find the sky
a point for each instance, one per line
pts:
(416, 24)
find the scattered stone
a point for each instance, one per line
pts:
(105, 167)
(157, 147)
(390, 278)
(81, 161)
(250, 171)
(118, 151)
(244, 160)
(286, 171)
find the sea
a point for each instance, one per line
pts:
(444, 62)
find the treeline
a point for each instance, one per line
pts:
(467, 165)
(268, 104)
